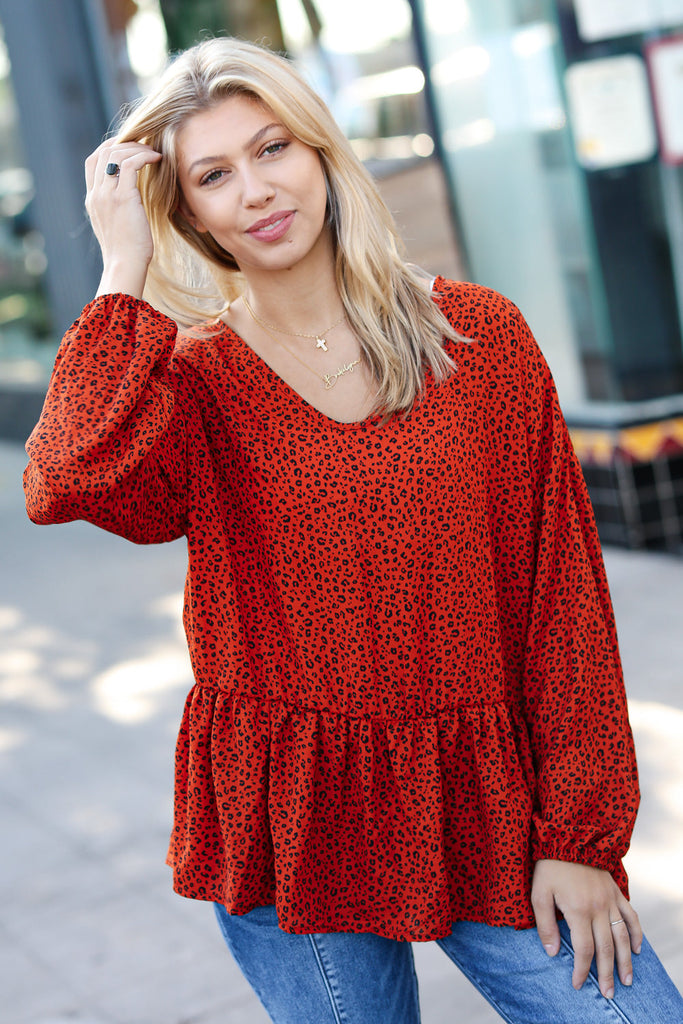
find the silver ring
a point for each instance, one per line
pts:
(112, 170)
(619, 920)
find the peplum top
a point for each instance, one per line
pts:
(407, 681)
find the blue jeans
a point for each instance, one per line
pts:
(343, 978)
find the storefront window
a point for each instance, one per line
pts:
(567, 204)
(361, 57)
(370, 78)
(494, 69)
(26, 347)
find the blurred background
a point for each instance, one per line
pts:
(534, 146)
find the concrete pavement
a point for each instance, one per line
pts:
(93, 675)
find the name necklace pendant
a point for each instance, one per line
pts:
(328, 379)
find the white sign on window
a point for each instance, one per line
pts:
(606, 19)
(610, 111)
(665, 57)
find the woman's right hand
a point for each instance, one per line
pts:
(117, 215)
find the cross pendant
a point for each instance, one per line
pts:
(321, 343)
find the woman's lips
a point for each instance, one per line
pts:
(272, 228)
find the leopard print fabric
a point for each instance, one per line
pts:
(407, 679)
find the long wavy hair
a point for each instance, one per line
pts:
(193, 279)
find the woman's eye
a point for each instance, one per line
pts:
(209, 178)
(274, 147)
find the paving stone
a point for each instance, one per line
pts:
(30, 990)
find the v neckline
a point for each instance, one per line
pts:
(258, 362)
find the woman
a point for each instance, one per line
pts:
(409, 720)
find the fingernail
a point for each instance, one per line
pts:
(628, 980)
(609, 994)
(638, 949)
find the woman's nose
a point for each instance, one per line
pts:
(255, 190)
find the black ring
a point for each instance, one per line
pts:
(112, 170)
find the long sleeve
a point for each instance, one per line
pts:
(110, 445)
(573, 693)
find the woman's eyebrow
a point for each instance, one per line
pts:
(252, 142)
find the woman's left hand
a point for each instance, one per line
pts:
(601, 921)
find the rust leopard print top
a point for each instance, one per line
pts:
(407, 678)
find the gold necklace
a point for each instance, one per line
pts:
(328, 379)
(320, 341)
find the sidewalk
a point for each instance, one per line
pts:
(93, 675)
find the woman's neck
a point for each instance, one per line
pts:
(304, 297)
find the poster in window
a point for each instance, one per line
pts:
(608, 19)
(611, 112)
(665, 61)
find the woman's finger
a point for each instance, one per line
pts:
(633, 924)
(124, 156)
(546, 920)
(627, 936)
(120, 172)
(583, 945)
(622, 949)
(111, 152)
(92, 162)
(130, 163)
(604, 942)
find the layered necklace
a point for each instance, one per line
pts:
(328, 379)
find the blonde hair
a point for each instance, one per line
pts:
(193, 279)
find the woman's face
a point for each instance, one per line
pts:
(255, 188)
